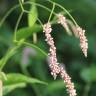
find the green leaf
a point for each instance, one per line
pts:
(15, 78)
(9, 88)
(33, 15)
(89, 74)
(27, 31)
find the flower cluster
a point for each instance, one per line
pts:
(83, 40)
(77, 30)
(63, 21)
(67, 81)
(52, 55)
(54, 66)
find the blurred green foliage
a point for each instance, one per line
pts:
(81, 69)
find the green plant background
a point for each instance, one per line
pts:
(33, 78)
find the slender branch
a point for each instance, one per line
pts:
(40, 22)
(18, 5)
(65, 11)
(7, 14)
(51, 12)
(34, 46)
(39, 5)
(34, 38)
(17, 24)
(21, 5)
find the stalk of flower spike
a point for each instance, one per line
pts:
(83, 40)
(52, 54)
(67, 80)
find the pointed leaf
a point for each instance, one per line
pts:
(27, 31)
(33, 15)
(15, 78)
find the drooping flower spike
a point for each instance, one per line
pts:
(78, 31)
(67, 80)
(63, 21)
(52, 54)
(83, 40)
(55, 67)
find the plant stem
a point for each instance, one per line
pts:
(17, 24)
(37, 4)
(7, 14)
(34, 38)
(51, 12)
(65, 11)
(34, 46)
(20, 2)
(18, 5)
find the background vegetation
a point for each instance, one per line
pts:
(81, 69)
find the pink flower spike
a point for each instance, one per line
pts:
(52, 51)
(67, 80)
(63, 21)
(54, 65)
(83, 40)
